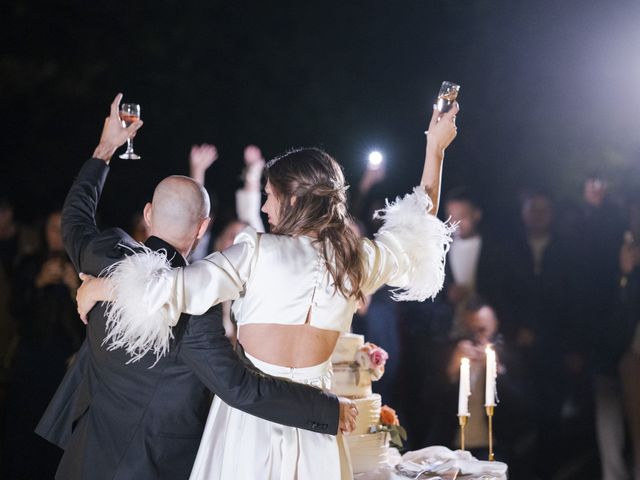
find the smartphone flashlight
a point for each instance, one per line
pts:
(375, 160)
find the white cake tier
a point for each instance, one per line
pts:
(350, 381)
(347, 347)
(368, 413)
(369, 451)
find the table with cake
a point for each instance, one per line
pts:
(356, 365)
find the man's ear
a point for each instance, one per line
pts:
(146, 213)
(202, 229)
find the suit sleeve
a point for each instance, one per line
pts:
(210, 354)
(79, 211)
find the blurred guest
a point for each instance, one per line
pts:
(49, 334)
(249, 197)
(15, 240)
(597, 232)
(11, 249)
(479, 329)
(476, 263)
(545, 324)
(201, 158)
(628, 316)
(248, 203)
(368, 198)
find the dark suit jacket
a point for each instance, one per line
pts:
(123, 421)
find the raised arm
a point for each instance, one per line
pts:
(442, 131)
(410, 248)
(79, 211)
(201, 158)
(248, 198)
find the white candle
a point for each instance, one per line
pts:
(465, 388)
(492, 372)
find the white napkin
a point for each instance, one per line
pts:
(439, 459)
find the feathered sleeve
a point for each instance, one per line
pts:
(148, 295)
(409, 250)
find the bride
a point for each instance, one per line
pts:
(295, 291)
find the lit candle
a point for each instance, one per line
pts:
(465, 388)
(492, 372)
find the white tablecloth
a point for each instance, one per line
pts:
(434, 460)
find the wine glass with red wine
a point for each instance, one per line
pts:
(129, 113)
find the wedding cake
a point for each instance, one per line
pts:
(355, 365)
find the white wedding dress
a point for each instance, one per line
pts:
(238, 445)
(276, 279)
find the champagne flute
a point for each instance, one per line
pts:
(129, 113)
(446, 96)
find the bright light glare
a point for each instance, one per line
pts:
(375, 159)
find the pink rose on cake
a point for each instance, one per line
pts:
(373, 358)
(378, 357)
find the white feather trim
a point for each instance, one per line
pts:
(136, 321)
(423, 238)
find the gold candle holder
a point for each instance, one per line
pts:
(490, 409)
(462, 420)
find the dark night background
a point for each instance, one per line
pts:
(549, 90)
(550, 94)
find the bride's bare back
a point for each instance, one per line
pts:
(295, 346)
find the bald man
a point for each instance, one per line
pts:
(119, 419)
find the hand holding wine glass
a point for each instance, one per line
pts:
(114, 133)
(447, 96)
(130, 113)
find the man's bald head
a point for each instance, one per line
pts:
(179, 207)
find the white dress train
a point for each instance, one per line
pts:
(236, 445)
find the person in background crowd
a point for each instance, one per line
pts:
(628, 316)
(477, 263)
(201, 157)
(50, 332)
(480, 329)
(248, 202)
(16, 240)
(545, 323)
(248, 198)
(597, 232)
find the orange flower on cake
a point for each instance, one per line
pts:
(388, 416)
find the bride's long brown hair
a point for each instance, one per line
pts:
(316, 182)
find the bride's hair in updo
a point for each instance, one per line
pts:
(316, 182)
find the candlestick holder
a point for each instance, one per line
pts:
(462, 420)
(490, 409)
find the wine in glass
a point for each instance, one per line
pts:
(446, 96)
(129, 113)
